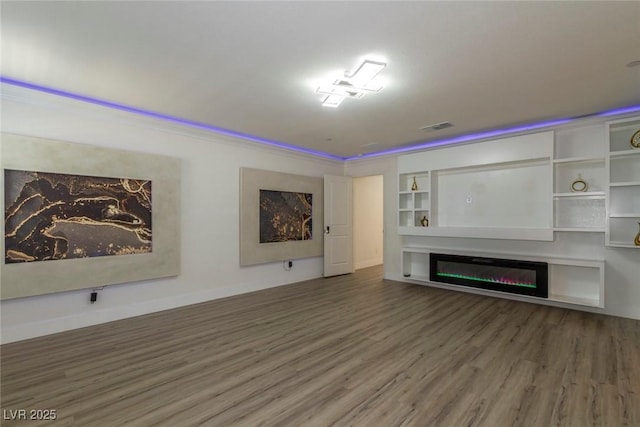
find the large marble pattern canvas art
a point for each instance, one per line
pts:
(281, 216)
(80, 216)
(285, 216)
(53, 216)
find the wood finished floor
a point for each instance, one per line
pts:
(353, 350)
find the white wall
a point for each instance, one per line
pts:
(209, 209)
(367, 221)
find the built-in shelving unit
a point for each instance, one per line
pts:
(579, 154)
(495, 189)
(623, 171)
(413, 198)
(573, 180)
(571, 281)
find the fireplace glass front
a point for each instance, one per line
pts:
(505, 275)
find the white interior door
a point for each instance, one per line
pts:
(338, 225)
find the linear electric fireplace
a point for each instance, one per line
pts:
(506, 275)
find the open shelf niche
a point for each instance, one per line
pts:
(623, 171)
(579, 155)
(413, 199)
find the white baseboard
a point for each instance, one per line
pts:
(26, 331)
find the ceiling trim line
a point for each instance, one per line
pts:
(477, 136)
(166, 117)
(473, 137)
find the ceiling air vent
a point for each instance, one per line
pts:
(437, 126)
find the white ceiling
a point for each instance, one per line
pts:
(250, 67)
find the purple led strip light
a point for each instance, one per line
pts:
(222, 131)
(165, 117)
(497, 132)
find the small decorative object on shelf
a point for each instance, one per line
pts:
(635, 139)
(414, 187)
(636, 241)
(579, 185)
(424, 221)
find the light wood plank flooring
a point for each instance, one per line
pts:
(353, 350)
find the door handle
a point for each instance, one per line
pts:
(327, 230)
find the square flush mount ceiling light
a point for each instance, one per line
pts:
(353, 84)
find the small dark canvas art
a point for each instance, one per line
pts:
(53, 216)
(285, 216)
